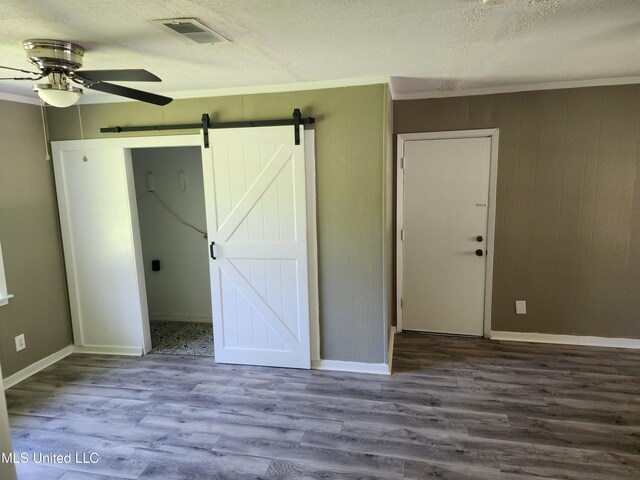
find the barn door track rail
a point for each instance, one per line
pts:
(206, 124)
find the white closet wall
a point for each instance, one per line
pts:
(180, 290)
(7, 470)
(99, 232)
(4, 294)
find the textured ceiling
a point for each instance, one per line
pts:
(426, 45)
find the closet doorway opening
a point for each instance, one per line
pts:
(172, 216)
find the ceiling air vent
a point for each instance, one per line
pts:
(191, 30)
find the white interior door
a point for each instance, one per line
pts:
(444, 234)
(257, 216)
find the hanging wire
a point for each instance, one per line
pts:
(45, 132)
(84, 152)
(173, 213)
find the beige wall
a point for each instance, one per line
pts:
(30, 237)
(568, 213)
(350, 171)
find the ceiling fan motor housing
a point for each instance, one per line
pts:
(56, 55)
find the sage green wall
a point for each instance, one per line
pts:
(350, 159)
(567, 236)
(30, 237)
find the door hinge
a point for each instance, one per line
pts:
(402, 303)
(401, 163)
(402, 235)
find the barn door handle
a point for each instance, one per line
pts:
(479, 252)
(213, 257)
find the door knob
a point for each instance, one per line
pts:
(479, 238)
(479, 252)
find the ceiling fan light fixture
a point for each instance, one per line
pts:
(61, 62)
(59, 95)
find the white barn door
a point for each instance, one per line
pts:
(257, 218)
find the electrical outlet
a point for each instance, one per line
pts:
(521, 307)
(20, 343)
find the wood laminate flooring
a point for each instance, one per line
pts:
(454, 408)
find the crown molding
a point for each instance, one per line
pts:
(12, 97)
(523, 87)
(249, 90)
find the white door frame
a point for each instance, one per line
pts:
(7, 469)
(128, 143)
(491, 133)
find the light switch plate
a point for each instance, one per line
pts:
(521, 307)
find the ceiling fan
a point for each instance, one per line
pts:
(60, 62)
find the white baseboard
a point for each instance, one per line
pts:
(34, 368)
(392, 334)
(355, 367)
(184, 317)
(334, 365)
(567, 339)
(108, 350)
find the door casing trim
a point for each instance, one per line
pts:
(493, 134)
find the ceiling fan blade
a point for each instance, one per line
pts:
(22, 78)
(38, 75)
(128, 75)
(129, 93)
(20, 70)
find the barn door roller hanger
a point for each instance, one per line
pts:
(206, 124)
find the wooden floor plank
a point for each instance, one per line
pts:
(416, 470)
(31, 471)
(455, 408)
(288, 470)
(320, 456)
